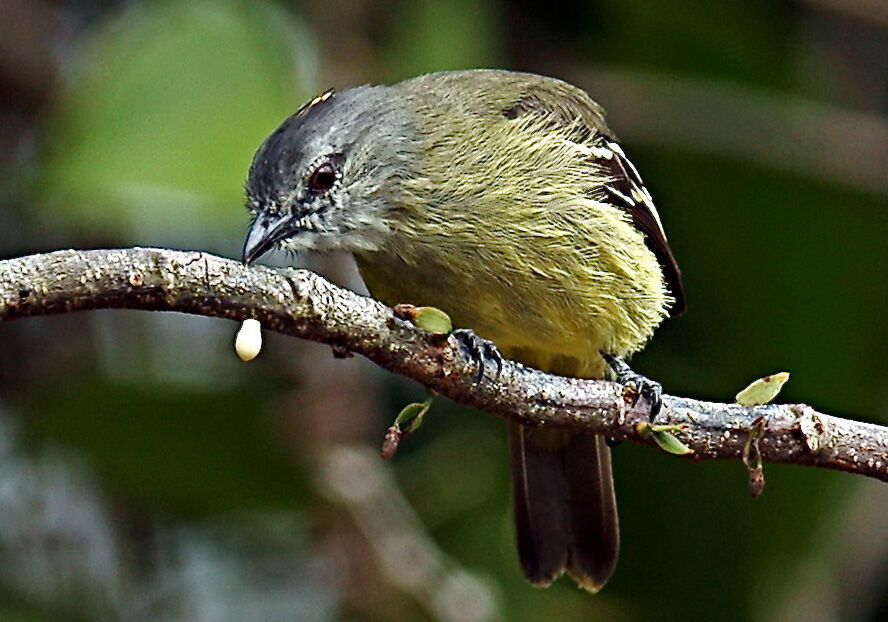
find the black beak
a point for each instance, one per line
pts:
(265, 232)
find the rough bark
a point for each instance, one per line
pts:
(303, 304)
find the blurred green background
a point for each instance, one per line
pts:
(147, 474)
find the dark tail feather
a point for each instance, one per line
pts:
(565, 509)
(592, 511)
(539, 489)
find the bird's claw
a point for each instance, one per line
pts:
(480, 351)
(649, 389)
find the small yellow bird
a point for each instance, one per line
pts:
(503, 199)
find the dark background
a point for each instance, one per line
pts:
(145, 473)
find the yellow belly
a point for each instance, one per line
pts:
(533, 316)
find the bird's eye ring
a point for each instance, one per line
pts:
(322, 178)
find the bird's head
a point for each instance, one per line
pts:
(327, 178)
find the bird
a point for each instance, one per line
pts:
(503, 199)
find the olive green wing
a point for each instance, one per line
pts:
(572, 111)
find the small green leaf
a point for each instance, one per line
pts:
(669, 443)
(410, 411)
(415, 412)
(433, 320)
(762, 390)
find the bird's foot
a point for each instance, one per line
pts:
(480, 351)
(649, 389)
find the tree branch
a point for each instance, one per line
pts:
(303, 304)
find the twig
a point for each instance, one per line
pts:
(303, 304)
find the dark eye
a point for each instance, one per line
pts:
(322, 178)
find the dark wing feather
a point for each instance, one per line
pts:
(626, 190)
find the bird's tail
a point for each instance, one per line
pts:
(565, 509)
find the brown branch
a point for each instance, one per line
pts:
(303, 304)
